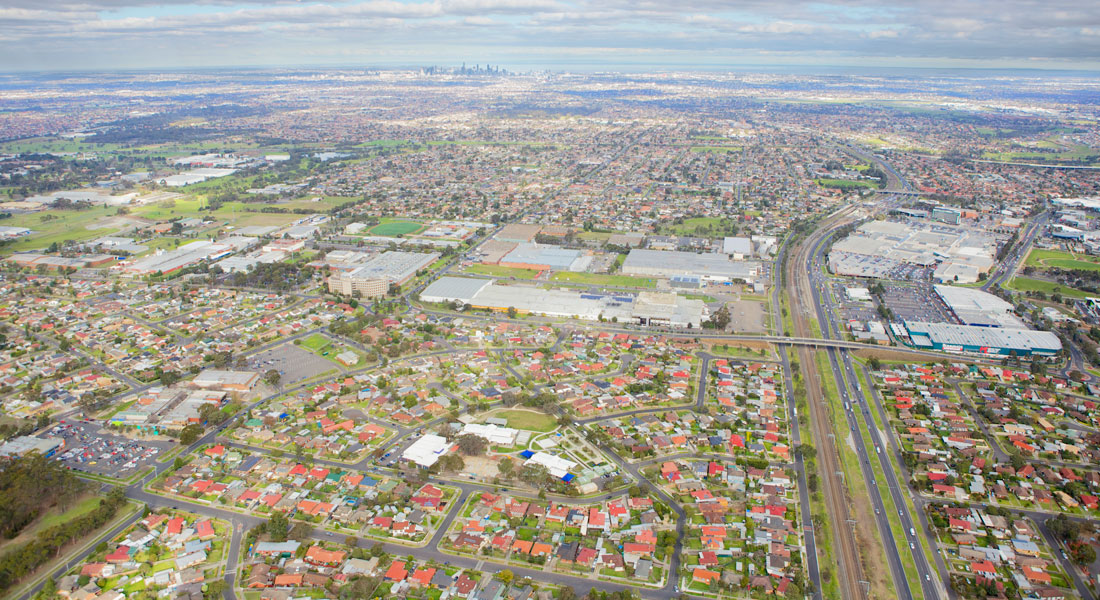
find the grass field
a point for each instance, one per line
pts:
(60, 225)
(1025, 284)
(523, 419)
(53, 517)
(699, 226)
(600, 279)
(316, 343)
(715, 149)
(1036, 256)
(498, 271)
(845, 184)
(396, 228)
(1074, 154)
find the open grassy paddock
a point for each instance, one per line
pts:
(526, 419)
(396, 228)
(601, 279)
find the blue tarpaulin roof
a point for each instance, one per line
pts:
(526, 454)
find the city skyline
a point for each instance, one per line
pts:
(536, 34)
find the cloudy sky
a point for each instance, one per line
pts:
(569, 34)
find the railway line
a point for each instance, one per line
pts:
(834, 488)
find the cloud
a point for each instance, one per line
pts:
(118, 32)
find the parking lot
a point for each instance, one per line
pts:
(916, 303)
(293, 363)
(92, 449)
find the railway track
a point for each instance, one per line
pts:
(834, 487)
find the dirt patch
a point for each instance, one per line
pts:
(482, 467)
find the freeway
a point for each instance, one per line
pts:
(848, 386)
(836, 496)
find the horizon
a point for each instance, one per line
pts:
(539, 34)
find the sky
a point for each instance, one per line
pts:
(549, 34)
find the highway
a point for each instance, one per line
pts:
(812, 283)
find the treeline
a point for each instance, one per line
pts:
(47, 545)
(275, 276)
(29, 486)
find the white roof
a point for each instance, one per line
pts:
(494, 434)
(427, 450)
(557, 465)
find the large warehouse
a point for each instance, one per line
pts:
(983, 340)
(373, 279)
(978, 308)
(647, 308)
(542, 257)
(707, 266)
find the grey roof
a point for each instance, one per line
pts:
(991, 337)
(446, 289)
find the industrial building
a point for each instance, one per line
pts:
(978, 308)
(646, 308)
(541, 257)
(518, 232)
(707, 266)
(983, 340)
(374, 278)
(188, 255)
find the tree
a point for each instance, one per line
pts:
(512, 312)
(1082, 553)
(190, 434)
(506, 466)
(277, 526)
(720, 319)
(472, 445)
(301, 531)
(1064, 528)
(272, 377)
(535, 475)
(506, 576)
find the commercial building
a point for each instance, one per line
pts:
(23, 445)
(375, 277)
(230, 381)
(427, 450)
(707, 266)
(978, 308)
(982, 340)
(878, 248)
(944, 214)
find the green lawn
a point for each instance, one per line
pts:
(57, 226)
(715, 149)
(601, 279)
(498, 271)
(531, 421)
(845, 184)
(316, 343)
(1026, 284)
(1059, 263)
(1036, 256)
(53, 516)
(396, 228)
